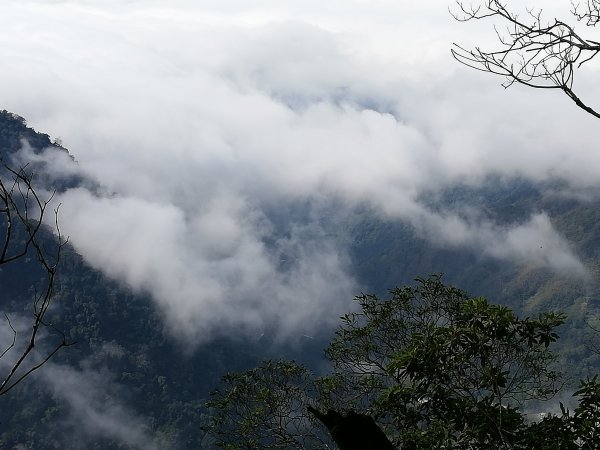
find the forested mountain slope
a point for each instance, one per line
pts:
(122, 352)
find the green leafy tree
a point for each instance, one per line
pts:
(265, 408)
(436, 365)
(584, 422)
(435, 368)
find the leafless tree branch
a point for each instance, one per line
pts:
(22, 212)
(532, 52)
(589, 13)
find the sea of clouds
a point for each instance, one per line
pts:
(195, 121)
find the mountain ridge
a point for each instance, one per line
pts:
(120, 332)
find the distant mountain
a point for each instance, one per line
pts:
(18, 143)
(387, 253)
(130, 370)
(14, 130)
(118, 334)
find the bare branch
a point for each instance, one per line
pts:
(532, 52)
(22, 212)
(589, 13)
(14, 339)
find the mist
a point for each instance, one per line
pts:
(192, 122)
(96, 409)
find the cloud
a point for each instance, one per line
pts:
(95, 408)
(197, 122)
(95, 404)
(534, 242)
(211, 271)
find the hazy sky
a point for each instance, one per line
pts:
(199, 119)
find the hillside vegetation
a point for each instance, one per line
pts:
(119, 332)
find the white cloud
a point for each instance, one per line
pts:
(196, 119)
(95, 408)
(210, 270)
(533, 242)
(95, 402)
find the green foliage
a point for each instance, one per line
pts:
(435, 367)
(571, 430)
(550, 433)
(443, 366)
(264, 408)
(584, 422)
(169, 389)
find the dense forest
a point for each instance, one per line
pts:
(119, 334)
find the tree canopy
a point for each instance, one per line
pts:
(434, 368)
